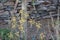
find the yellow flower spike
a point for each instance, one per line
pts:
(13, 23)
(30, 21)
(10, 35)
(38, 25)
(21, 11)
(13, 19)
(26, 15)
(17, 34)
(42, 36)
(13, 26)
(22, 20)
(21, 28)
(33, 22)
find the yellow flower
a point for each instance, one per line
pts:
(13, 19)
(10, 35)
(21, 28)
(17, 33)
(21, 11)
(26, 15)
(42, 35)
(33, 22)
(38, 25)
(22, 20)
(30, 21)
(13, 26)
